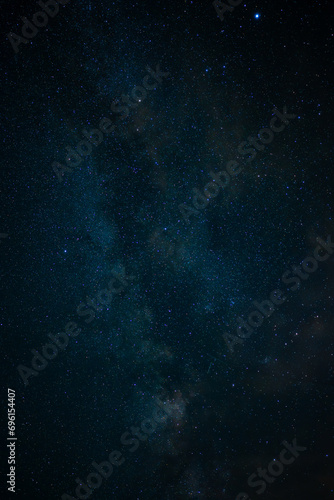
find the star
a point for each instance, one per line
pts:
(257, 16)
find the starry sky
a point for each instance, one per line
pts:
(129, 220)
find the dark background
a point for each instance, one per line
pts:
(191, 281)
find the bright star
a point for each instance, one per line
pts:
(257, 16)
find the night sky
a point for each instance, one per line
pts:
(167, 249)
